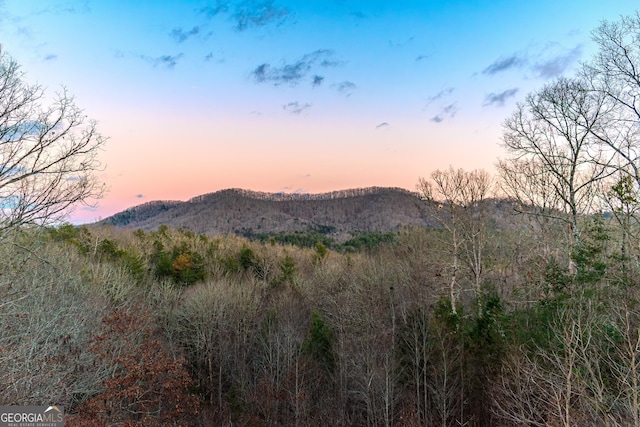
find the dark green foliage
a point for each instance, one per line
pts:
(484, 349)
(288, 270)
(187, 233)
(556, 278)
(108, 248)
(319, 344)
(589, 258)
(367, 241)
(247, 258)
(132, 262)
(160, 260)
(363, 241)
(230, 264)
(122, 219)
(530, 327)
(321, 251)
(443, 314)
(625, 192)
(301, 239)
(65, 232)
(183, 265)
(80, 237)
(163, 230)
(244, 261)
(590, 253)
(188, 268)
(486, 334)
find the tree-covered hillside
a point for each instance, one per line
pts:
(215, 331)
(340, 215)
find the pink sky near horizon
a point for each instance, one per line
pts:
(380, 158)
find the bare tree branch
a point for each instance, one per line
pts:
(48, 155)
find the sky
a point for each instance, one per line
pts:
(294, 96)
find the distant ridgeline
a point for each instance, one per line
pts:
(140, 212)
(281, 196)
(338, 215)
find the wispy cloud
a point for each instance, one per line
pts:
(250, 14)
(218, 56)
(346, 88)
(65, 8)
(295, 107)
(167, 61)
(400, 44)
(557, 65)
(296, 71)
(214, 9)
(542, 64)
(317, 80)
(331, 62)
(247, 14)
(180, 35)
(443, 93)
(447, 112)
(499, 99)
(504, 64)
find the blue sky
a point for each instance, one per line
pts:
(313, 96)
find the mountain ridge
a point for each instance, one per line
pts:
(344, 212)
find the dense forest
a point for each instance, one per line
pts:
(526, 319)
(173, 328)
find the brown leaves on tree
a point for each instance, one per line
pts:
(145, 386)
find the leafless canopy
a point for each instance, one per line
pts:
(47, 153)
(615, 74)
(555, 161)
(460, 197)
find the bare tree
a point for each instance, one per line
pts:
(560, 381)
(478, 188)
(446, 187)
(554, 163)
(627, 368)
(47, 153)
(617, 61)
(461, 195)
(614, 73)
